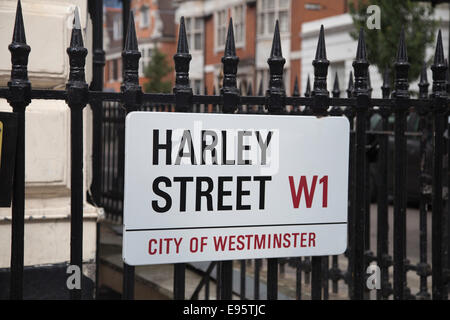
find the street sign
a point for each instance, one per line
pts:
(204, 187)
(8, 139)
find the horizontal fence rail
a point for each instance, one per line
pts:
(382, 130)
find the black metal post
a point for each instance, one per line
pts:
(401, 97)
(383, 258)
(276, 105)
(321, 104)
(77, 98)
(423, 268)
(361, 94)
(183, 103)
(132, 100)
(19, 98)
(439, 96)
(230, 98)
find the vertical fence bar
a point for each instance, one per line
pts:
(297, 261)
(423, 269)
(183, 103)
(401, 97)
(276, 104)
(321, 104)
(439, 97)
(361, 94)
(350, 114)
(383, 258)
(98, 63)
(77, 97)
(132, 100)
(20, 97)
(335, 273)
(230, 98)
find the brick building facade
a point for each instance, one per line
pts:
(155, 28)
(254, 22)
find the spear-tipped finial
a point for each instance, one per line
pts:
(308, 87)
(402, 54)
(336, 91)
(230, 62)
(182, 38)
(439, 53)
(19, 29)
(131, 43)
(230, 48)
(276, 42)
(76, 19)
(321, 51)
(350, 85)
(361, 51)
(296, 91)
(76, 40)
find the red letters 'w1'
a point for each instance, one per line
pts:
(309, 192)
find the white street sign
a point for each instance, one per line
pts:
(203, 187)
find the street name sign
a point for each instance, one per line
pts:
(208, 187)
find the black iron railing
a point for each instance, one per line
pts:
(110, 109)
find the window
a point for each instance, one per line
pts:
(268, 12)
(221, 27)
(117, 27)
(239, 24)
(194, 33)
(144, 20)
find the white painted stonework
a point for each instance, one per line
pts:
(47, 208)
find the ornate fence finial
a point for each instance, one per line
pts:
(230, 62)
(439, 68)
(335, 110)
(182, 58)
(401, 84)
(308, 87)
(77, 88)
(336, 91)
(19, 85)
(320, 64)
(130, 88)
(350, 86)
(423, 83)
(276, 92)
(439, 108)
(361, 67)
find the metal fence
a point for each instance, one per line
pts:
(372, 147)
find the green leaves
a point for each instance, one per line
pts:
(382, 43)
(156, 71)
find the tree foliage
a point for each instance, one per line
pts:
(156, 71)
(382, 43)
